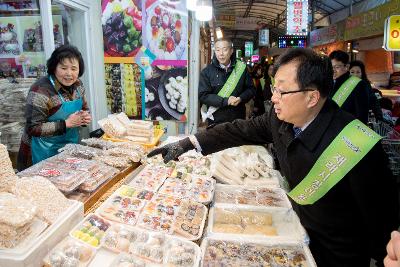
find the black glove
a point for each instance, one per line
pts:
(172, 151)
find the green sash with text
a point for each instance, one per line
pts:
(345, 90)
(233, 79)
(345, 151)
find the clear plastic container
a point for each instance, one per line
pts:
(69, 252)
(91, 230)
(230, 251)
(255, 223)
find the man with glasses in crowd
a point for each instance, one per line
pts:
(225, 86)
(349, 92)
(341, 188)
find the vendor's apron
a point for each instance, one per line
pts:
(45, 147)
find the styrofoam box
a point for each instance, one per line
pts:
(32, 255)
(267, 243)
(232, 188)
(285, 221)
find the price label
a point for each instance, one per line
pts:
(393, 33)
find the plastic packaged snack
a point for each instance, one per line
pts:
(69, 252)
(98, 143)
(117, 162)
(98, 177)
(112, 127)
(235, 252)
(91, 230)
(118, 238)
(50, 202)
(256, 222)
(80, 151)
(190, 220)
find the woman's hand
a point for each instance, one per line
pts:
(74, 120)
(86, 117)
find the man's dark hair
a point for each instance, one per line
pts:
(360, 64)
(313, 71)
(340, 55)
(225, 40)
(60, 54)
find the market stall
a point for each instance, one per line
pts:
(175, 214)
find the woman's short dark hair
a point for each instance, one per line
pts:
(340, 55)
(61, 53)
(313, 71)
(360, 64)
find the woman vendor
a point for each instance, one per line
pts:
(56, 108)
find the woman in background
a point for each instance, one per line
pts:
(56, 108)
(357, 68)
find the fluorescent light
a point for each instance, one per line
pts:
(219, 33)
(204, 10)
(191, 5)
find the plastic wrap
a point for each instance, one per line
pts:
(91, 230)
(64, 176)
(251, 196)
(251, 165)
(23, 236)
(122, 209)
(197, 188)
(98, 143)
(243, 252)
(14, 211)
(117, 162)
(80, 151)
(50, 202)
(190, 220)
(276, 224)
(132, 155)
(149, 249)
(69, 252)
(112, 127)
(98, 177)
(7, 174)
(150, 178)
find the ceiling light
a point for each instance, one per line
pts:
(191, 5)
(204, 10)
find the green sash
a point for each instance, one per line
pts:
(233, 79)
(345, 90)
(345, 151)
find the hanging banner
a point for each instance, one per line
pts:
(392, 33)
(248, 49)
(247, 23)
(297, 17)
(263, 37)
(225, 20)
(370, 23)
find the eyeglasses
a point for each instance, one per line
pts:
(338, 67)
(280, 93)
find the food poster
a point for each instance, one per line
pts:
(33, 66)
(166, 93)
(9, 39)
(123, 89)
(10, 68)
(122, 27)
(166, 31)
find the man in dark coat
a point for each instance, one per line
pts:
(212, 79)
(357, 103)
(352, 221)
